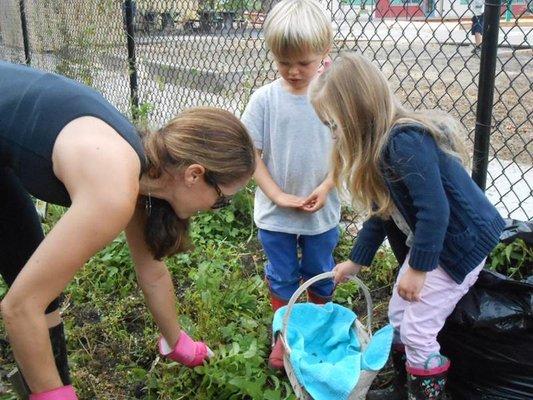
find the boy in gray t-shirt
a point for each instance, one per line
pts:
(296, 204)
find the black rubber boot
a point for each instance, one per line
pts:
(397, 390)
(59, 348)
(19, 385)
(427, 384)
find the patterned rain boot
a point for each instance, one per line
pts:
(427, 383)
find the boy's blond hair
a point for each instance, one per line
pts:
(296, 27)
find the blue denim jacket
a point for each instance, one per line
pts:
(454, 224)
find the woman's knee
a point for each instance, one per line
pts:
(16, 306)
(13, 308)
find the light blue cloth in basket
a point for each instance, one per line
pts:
(325, 351)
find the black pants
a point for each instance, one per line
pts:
(20, 229)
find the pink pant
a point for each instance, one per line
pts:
(418, 323)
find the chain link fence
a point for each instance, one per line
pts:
(153, 58)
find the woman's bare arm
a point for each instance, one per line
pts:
(100, 171)
(154, 280)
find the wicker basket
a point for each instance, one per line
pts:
(364, 334)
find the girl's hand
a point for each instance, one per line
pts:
(411, 284)
(289, 200)
(316, 200)
(344, 270)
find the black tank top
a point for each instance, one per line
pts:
(34, 107)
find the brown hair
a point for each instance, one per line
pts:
(355, 95)
(207, 136)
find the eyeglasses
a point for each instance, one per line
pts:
(222, 199)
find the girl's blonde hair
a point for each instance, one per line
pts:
(296, 27)
(355, 95)
(208, 136)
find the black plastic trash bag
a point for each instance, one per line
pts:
(515, 229)
(489, 339)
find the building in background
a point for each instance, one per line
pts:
(446, 9)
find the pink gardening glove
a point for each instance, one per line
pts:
(62, 393)
(186, 351)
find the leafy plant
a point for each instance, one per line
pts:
(222, 299)
(230, 224)
(514, 260)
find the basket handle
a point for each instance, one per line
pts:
(309, 282)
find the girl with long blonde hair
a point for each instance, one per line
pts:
(405, 170)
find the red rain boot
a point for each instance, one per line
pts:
(275, 359)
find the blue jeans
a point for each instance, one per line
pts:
(284, 270)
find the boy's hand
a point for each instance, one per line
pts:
(316, 200)
(411, 284)
(344, 270)
(288, 200)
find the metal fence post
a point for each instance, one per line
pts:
(491, 27)
(24, 25)
(132, 64)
